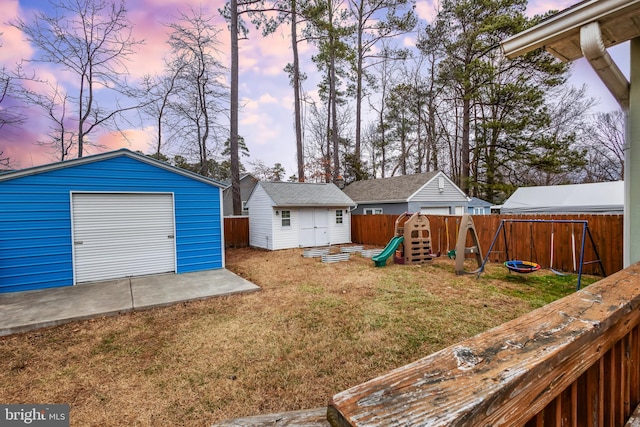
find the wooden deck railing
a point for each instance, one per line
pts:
(574, 362)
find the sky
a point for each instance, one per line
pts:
(266, 117)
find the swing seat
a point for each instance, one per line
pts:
(522, 267)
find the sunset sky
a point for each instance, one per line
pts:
(266, 119)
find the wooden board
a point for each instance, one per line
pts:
(507, 375)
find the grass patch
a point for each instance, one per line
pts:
(541, 288)
(314, 330)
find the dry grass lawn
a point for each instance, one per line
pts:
(314, 330)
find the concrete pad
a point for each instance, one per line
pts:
(153, 291)
(24, 311)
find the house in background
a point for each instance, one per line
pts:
(478, 207)
(599, 197)
(431, 193)
(247, 184)
(108, 216)
(286, 215)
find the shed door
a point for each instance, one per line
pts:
(314, 227)
(119, 235)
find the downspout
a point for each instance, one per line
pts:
(594, 51)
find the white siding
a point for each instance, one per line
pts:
(260, 219)
(339, 233)
(285, 237)
(431, 193)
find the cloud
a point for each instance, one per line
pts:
(14, 47)
(133, 139)
(427, 9)
(539, 7)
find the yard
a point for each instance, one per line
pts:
(314, 330)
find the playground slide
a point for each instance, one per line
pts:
(381, 259)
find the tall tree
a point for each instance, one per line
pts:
(329, 30)
(91, 39)
(376, 20)
(468, 29)
(292, 12)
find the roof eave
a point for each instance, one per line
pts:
(564, 24)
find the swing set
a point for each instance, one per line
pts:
(524, 267)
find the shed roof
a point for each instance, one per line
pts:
(597, 197)
(294, 194)
(390, 190)
(104, 156)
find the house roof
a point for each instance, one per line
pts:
(476, 202)
(597, 197)
(292, 194)
(104, 156)
(227, 182)
(389, 190)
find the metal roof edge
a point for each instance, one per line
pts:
(105, 156)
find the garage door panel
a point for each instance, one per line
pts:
(120, 235)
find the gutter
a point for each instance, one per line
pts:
(559, 25)
(594, 51)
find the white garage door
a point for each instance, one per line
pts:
(435, 210)
(118, 235)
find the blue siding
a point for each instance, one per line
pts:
(35, 219)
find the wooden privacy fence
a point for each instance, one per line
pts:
(236, 232)
(524, 241)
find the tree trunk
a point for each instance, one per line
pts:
(296, 92)
(233, 138)
(465, 144)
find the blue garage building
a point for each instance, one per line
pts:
(107, 216)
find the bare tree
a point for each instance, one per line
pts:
(91, 39)
(198, 103)
(8, 116)
(604, 141)
(54, 101)
(159, 89)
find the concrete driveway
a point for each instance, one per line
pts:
(24, 311)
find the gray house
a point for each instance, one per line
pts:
(478, 207)
(247, 184)
(298, 214)
(430, 193)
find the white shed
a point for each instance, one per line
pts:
(286, 215)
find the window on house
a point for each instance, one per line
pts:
(286, 218)
(373, 211)
(339, 216)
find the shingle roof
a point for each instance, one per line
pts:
(305, 194)
(394, 189)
